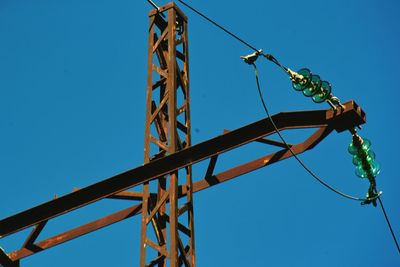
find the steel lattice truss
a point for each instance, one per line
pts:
(324, 121)
(170, 238)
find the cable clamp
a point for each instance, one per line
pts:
(371, 198)
(334, 102)
(250, 59)
(295, 77)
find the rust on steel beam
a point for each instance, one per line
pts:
(76, 232)
(268, 141)
(34, 234)
(261, 162)
(6, 261)
(126, 195)
(167, 130)
(209, 180)
(352, 116)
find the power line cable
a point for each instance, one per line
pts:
(388, 223)
(274, 60)
(290, 149)
(219, 26)
(153, 5)
(235, 36)
(251, 61)
(367, 200)
(313, 174)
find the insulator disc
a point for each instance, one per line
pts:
(306, 73)
(324, 93)
(352, 149)
(360, 172)
(376, 168)
(366, 145)
(314, 87)
(370, 157)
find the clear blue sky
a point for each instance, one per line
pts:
(72, 109)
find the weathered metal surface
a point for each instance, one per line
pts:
(172, 137)
(26, 251)
(214, 179)
(210, 179)
(176, 161)
(6, 261)
(167, 131)
(34, 234)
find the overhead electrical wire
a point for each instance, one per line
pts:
(290, 149)
(153, 4)
(389, 225)
(252, 47)
(274, 60)
(219, 26)
(369, 199)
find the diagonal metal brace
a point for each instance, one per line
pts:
(339, 120)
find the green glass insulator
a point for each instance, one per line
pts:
(375, 168)
(306, 73)
(324, 93)
(356, 160)
(370, 157)
(314, 87)
(352, 149)
(362, 153)
(310, 91)
(360, 172)
(366, 144)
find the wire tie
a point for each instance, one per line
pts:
(251, 58)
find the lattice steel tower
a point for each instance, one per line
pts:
(167, 232)
(165, 200)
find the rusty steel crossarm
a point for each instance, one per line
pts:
(261, 162)
(200, 185)
(75, 233)
(34, 234)
(209, 181)
(6, 261)
(339, 120)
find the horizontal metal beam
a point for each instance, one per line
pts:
(339, 120)
(76, 232)
(209, 181)
(261, 162)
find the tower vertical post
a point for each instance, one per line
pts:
(167, 226)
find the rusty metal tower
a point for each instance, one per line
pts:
(164, 186)
(167, 131)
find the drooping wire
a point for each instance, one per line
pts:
(312, 173)
(289, 148)
(388, 223)
(274, 60)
